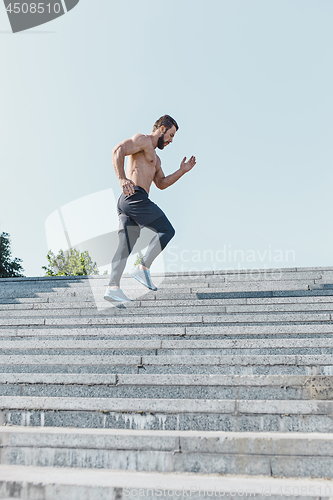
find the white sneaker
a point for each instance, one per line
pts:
(143, 277)
(116, 295)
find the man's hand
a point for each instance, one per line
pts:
(186, 166)
(127, 186)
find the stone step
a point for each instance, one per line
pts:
(180, 319)
(124, 310)
(169, 414)
(285, 270)
(327, 270)
(315, 383)
(172, 278)
(250, 453)
(189, 300)
(185, 287)
(164, 387)
(86, 368)
(104, 332)
(167, 360)
(160, 346)
(242, 274)
(255, 330)
(132, 343)
(188, 286)
(47, 483)
(162, 331)
(96, 296)
(162, 283)
(168, 352)
(183, 300)
(68, 350)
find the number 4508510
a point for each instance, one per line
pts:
(33, 8)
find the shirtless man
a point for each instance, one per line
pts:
(135, 209)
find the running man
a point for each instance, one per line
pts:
(135, 209)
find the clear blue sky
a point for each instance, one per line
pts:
(250, 84)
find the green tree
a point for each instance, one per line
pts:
(8, 268)
(70, 263)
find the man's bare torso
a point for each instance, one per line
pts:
(142, 167)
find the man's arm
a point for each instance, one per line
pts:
(162, 181)
(128, 147)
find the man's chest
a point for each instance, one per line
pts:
(146, 158)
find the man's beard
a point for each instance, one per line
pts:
(160, 142)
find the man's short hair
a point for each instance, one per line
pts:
(167, 121)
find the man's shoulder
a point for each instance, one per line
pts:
(144, 140)
(135, 144)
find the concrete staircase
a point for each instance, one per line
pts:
(218, 382)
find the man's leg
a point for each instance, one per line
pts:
(127, 239)
(165, 232)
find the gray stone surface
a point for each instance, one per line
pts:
(22, 321)
(70, 360)
(232, 352)
(283, 360)
(109, 351)
(253, 330)
(235, 370)
(165, 392)
(188, 345)
(127, 320)
(79, 307)
(302, 467)
(174, 406)
(122, 405)
(121, 332)
(282, 317)
(162, 386)
(166, 421)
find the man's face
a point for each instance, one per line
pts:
(166, 137)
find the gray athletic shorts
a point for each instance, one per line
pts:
(137, 207)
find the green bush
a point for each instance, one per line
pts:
(8, 268)
(70, 263)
